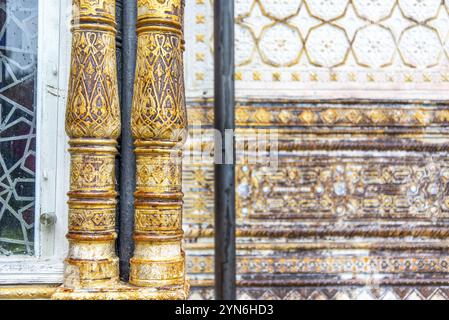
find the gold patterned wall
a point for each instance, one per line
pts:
(338, 48)
(357, 205)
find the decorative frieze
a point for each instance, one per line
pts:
(333, 293)
(329, 264)
(334, 115)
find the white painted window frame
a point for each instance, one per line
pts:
(52, 161)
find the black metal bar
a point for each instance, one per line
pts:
(225, 262)
(118, 39)
(127, 163)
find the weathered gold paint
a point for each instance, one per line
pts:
(93, 126)
(27, 292)
(159, 122)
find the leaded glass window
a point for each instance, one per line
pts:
(18, 65)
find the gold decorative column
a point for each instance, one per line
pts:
(93, 125)
(159, 124)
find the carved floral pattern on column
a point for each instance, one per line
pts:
(159, 123)
(93, 86)
(93, 125)
(160, 93)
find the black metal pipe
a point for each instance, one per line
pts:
(127, 163)
(225, 254)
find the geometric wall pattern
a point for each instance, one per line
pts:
(329, 48)
(18, 64)
(333, 293)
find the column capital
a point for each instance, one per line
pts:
(94, 11)
(160, 12)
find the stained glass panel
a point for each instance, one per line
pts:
(18, 64)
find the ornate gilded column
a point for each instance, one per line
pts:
(93, 125)
(159, 124)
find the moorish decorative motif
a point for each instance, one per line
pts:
(159, 122)
(332, 264)
(323, 49)
(18, 65)
(346, 189)
(355, 206)
(324, 114)
(333, 293)
(93, 126)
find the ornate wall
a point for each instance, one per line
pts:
(327, 49)
(358, 204)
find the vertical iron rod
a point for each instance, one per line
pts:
(128, 163)
(225, 254)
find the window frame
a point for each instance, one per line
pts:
(52, 160)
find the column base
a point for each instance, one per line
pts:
(124, 291)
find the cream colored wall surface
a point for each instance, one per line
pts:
(327, 49)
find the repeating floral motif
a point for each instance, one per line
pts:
(93, 125)
(92, 173)
(346, 189)
(159, 126)
(159, 107)
(82, 219)
(303, 264)
(158, 220)
(158, 174)
(338, 47)
(18, 65)
(316, 115)
(93, 88)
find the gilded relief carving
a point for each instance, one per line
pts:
(94, 8)
(93, 125)
(159, 122)
(160, 94)
(313, 264)
(93, 172)
(322, 114)
(346, 189)
(159, 174)
(161, 219)
(168, 11)
(99, 220)
(93, 98)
